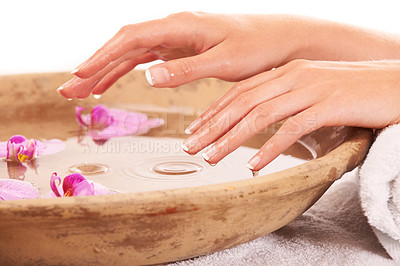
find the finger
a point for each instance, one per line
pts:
(77, 86)
(290, 131)
(140, 38)
(224, 120)
(81, 88)
(120, 71)
(170, 53)
(180, 71)
(229, 96)
(237, 89)
(257, 120)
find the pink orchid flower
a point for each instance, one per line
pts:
(75, 185)
(104, 123)
(20, 149)
(11, 189)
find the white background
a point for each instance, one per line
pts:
(48, 36)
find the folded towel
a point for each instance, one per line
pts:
(332, 232)
(380, 189)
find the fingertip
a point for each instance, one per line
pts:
(193, 127)
(184, 147)
(74, 71)
(83, 73)
(254, 163)
(148, 76)
(158, 76)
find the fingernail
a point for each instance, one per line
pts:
(60, 88)
(75, 70)
(157, 75)
(97, 96)
(210, 152)
(188, 132)
(184, 147)
(253, 162)
(69, 99)
(189, 143)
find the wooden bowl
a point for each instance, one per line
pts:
(158, 226)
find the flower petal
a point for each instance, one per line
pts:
(3, 149)
(50, 146)
(55, 182)
(108, 123)
(17, 139)
(71, 181)
(84, 120)
(84, 188)
(28, 152)
(100, 189)
(11, 189)
(101, 117)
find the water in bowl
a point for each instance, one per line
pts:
(139, 163)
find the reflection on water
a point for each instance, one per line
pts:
(176, 168)
(138, 163)
(17, 170)
(88, 169)
(255, 173)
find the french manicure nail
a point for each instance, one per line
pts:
(97, 96)
(189, 143)
(253, 162)
(184, 147)
(210, 152)
(157, 75)
(60, 88)
(75, 70)
(187, 131)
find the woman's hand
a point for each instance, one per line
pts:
(229, 47)
(311, 94)
(195, 45)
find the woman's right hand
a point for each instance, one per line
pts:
(194, 46)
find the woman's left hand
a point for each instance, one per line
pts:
(311, 94)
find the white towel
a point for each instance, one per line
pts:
(380, 189)
(332, 232)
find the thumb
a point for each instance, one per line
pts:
(180, 71)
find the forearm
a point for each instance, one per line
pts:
(325, 40)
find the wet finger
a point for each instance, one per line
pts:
(290, 131)
(139, 38)
(120, 71)
(239, 107)
(257, 120)
(231, 94)
(184, 70)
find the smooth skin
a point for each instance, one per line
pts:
(313, 73)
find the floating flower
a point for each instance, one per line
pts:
(20, 149)
(75, 185)
(103, 123)
(11, 189)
